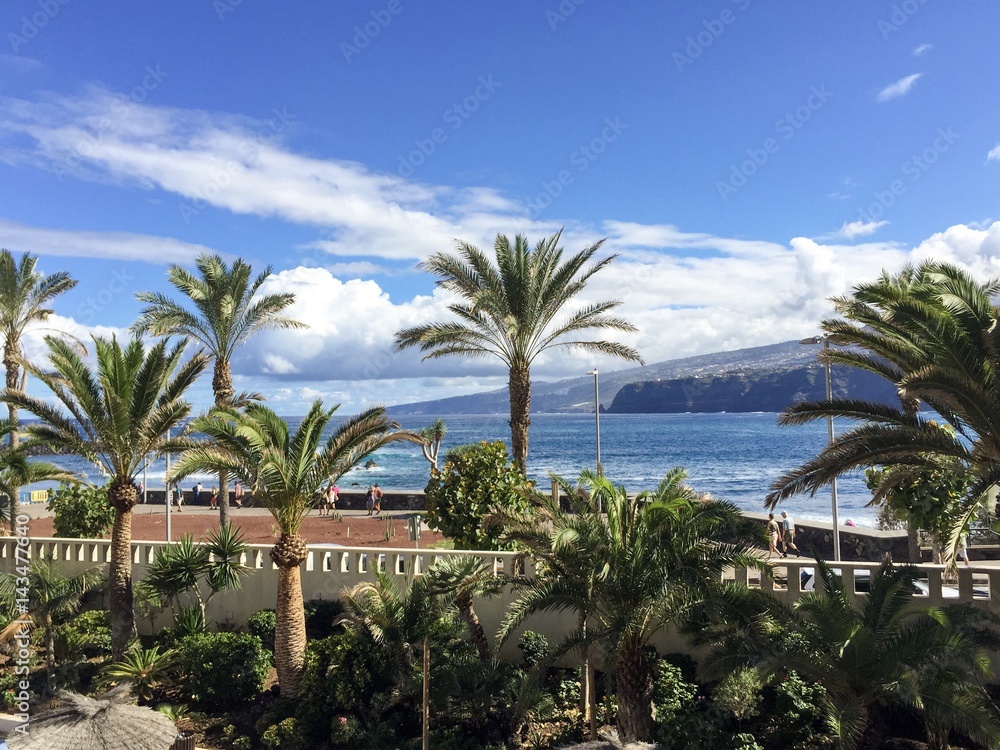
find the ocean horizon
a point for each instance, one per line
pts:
(732, 456)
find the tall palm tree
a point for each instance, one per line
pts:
(226, 310)
(52, 598)
(118, 415)
(654, 560)
(508, 310)
(932, 331)
(867, 652)
(285, 471)
(25, 295)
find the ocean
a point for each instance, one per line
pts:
(731, 456)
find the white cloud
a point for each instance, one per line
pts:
(854, 229)
(216, 161)
(922, 49)
(994, 153)
(899, 88)
(123, 246)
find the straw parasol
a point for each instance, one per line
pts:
(110, 722)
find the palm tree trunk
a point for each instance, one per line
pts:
(222, 387)
(50, 653)
(425, 703)
(634, 688)
(290, 629)
(588, 699)
(11, 351)
(120, 583)
(463, 601)
(520, 415)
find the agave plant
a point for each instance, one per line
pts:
(145, 668)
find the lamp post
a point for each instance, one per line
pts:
(166, 488)
(597, 421)
(825, 341)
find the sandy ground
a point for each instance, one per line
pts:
(351, 529)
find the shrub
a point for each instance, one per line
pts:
(474, 481)
(799, 704)
(221, 669)
(262, 624)
(534, 648)
(81, 511)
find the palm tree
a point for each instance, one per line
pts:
(653, 561)
(52, 598)
(931, 330)
(867, 652)
(568, 551)
(396, 620)
(24, 298)
(285, 471)
(118, 416)
(508, 310)
(16, 471)
(462, 578)
(227, 310)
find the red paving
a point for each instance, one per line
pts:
(350, 531)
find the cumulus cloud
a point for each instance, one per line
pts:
(922, 49)
(994, 154)
(854, 229)
(899, 88)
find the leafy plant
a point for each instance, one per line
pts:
(474, 481)
(81, 511)
(221, 670)
(261, 624)
(146, 669)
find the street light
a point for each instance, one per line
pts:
(825, 341)
(597, 421)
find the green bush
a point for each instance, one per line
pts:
(221, 669)
(534, 648)
(799, 705)
(262, 625)
(474, 481)
(81, 511)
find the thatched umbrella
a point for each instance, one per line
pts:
(111, 722)
(610, 741)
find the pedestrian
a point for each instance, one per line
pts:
(322, 501)
(142, 492)
(788, 534)
(238, 494)
(377, 494)
(196, 494)
(178, 497)
(773, 533)
(963, 548)
(332, 495)
(213, 499)
(370, 499)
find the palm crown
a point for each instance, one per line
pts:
(931, 330)
(508, 310)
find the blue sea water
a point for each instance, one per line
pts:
(731, 456)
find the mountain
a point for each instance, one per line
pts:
(740, 380)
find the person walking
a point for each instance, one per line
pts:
(213, 499)
(332, 495)
(773, 534)
(196, 494)
(238, 495)
(370, 500)
(377, 495)
(178, 497)
(787, 534)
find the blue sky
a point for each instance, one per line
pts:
(747, 160)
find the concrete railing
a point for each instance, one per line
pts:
(329, 569)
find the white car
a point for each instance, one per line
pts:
(807, 582)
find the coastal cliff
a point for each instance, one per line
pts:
(770, 391)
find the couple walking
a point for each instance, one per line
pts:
(373, 499)
(780, 533)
